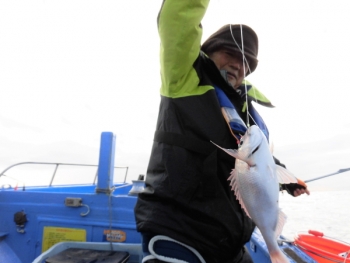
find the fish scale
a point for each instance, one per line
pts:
(248, 185)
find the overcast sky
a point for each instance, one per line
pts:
(72, 69)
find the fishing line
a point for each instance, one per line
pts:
(253, 119)
(244, 58)
(244, 63)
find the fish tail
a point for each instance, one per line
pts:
(279, 257)
(282, 218)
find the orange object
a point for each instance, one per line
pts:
(321, 248)
(301, 182)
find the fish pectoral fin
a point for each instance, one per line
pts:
(282, 218)
(284, 176)
(231, 152)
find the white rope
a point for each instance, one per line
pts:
(345, 255)
(149, 257)
(168, 259)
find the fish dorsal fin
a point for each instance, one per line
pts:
(284, 176)
(282, 218)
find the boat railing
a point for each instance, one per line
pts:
(57, 165)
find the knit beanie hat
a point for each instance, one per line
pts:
(224, 39)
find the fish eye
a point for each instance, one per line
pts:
(240, 142)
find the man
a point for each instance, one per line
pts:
(187, 211)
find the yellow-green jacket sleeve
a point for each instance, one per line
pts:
(180, 35)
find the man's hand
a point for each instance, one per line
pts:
(296, 189)
(300, 191)
(293, 189)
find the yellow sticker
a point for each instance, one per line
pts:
(114, 235)
(54, 235)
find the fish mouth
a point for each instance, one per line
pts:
(257, 148)
(254, 151)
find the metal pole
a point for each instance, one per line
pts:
(317, 178)
(54, 174)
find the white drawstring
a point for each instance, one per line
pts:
(154, 255)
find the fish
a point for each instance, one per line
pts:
(255, 181)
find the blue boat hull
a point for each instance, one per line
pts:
(50, 222)
(42, 221)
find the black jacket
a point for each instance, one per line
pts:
(187, 195)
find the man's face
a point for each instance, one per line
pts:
(232, 63)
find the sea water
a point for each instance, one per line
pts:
(324, 211)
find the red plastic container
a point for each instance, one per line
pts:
(321, 248)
